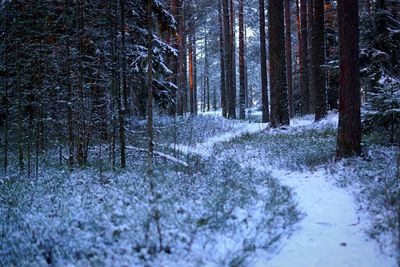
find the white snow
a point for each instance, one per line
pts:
(332, 233)
(205, 149)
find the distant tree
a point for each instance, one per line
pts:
(263, 57)
(332, 55)
(222, 58)
(288, 50)
(303, 48)
(228, 58)
(319, 61)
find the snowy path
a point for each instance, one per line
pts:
(331, 234)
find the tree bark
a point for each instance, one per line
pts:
(181, 57)
(242, 95)
(311, 49)
(69, 112)
(319, 50)
(232, 91)
(263, 55)
(191, 78)
(279, 95)
(123, 55)
(150, 137)
(304, 72)
(288, 43)
(195, 73)
(349, 130)
(6, 105)
(228, 57)
(222, 60)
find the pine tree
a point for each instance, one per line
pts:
(380, 41)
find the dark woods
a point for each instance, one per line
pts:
(75, 74)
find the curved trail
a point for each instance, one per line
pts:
(331, 234)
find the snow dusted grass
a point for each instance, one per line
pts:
(214, 213)
(305, 151)
(375, 180)
(228, 208)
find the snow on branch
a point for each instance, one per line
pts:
(161, 155)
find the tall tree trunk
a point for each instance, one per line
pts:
(222, 59)
(279, 94)
(242, 94)
(123, 55)
(69, 112)
(304, 72)
(191, 78)
(195, 72)
(174, 66)
(288, 50)
(311, 49)
(349, 131)
(150, 137)
(263, 55)
(319, 50)
(232, 91)
(185, 75)
(81, 92)
(181, 57)
(228, 58)
(121, 120)
(20, 114)
(6, 105)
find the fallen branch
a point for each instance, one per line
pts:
(161, 155)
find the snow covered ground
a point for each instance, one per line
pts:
(332, 233)
(228, 193)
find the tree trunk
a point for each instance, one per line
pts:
(279, 95)
(123, 55)
(174, 66)
(263, 55)
(304, 73)
(232, 91)
(311, 49)
(195, 73)
(150, 143)
(69, 112)
(319, 51)
(222, 60)
(20, 115)
(191, 83)
(288, 42)
(6, 111)
(181, 57)
(228, 58)
(242, 95)
(349, 131)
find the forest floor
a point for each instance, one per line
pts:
(333, 229)
(228, 193)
